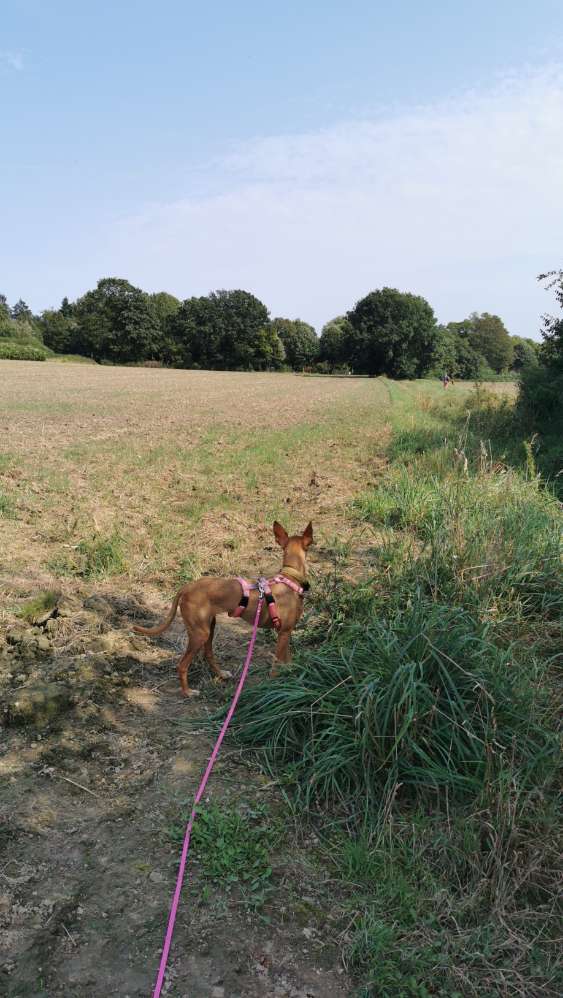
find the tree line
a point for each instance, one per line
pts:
(388, 332)
(540, 399)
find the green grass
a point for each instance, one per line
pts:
(70, 358)
(101, 556)
(7, 506)
(96, 557)
(490, 543)
(421, 716)
(188, 570)
(233, 849)
(454, 908)
(40, 604)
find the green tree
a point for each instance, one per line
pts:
(239, 316)
(22, 312)
(334, 343)
(5, 314)
(454, 354)
(300, 342)
(470, 365)
(392, 333)
(269, 351)
(191, 340)
(551, 352)
(117, 322)
(59, 330)
(165, 306)
(5, 318)
(489, 337)
(445, 354)
(525, 352)
(222, 331)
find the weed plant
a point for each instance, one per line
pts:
(233, 848)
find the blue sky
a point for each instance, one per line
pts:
(308, 152)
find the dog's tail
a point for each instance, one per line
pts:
(152, 631)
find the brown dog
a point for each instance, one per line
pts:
(201, 601)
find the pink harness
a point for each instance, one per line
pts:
(265, 586)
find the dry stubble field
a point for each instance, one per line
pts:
(173, 466)
(117, 484)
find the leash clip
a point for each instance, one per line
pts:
(262, 585)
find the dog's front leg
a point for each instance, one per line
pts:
(283, 653)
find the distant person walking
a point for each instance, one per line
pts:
(445, 380)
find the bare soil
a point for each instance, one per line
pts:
(88, 865)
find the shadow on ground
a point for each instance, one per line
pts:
(95, 771)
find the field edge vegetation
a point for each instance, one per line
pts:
(418, 729)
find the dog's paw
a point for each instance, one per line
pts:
(191, 693)
(225, 674)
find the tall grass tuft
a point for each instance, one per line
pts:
(422, 699)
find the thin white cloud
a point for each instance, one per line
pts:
(13, 60)
(460, 202)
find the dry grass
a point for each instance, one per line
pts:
(152, 476)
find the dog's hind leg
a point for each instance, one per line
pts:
(197, 639)
(210, 657)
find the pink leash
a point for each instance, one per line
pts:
(198, 796)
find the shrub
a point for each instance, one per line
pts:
(541, 392)
(10, 350)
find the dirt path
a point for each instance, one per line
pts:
(87, 871)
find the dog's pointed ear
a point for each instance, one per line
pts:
(307, 535)
(280, 534)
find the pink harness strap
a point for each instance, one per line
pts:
(246, 587)
(290, 583)
(264, 585)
